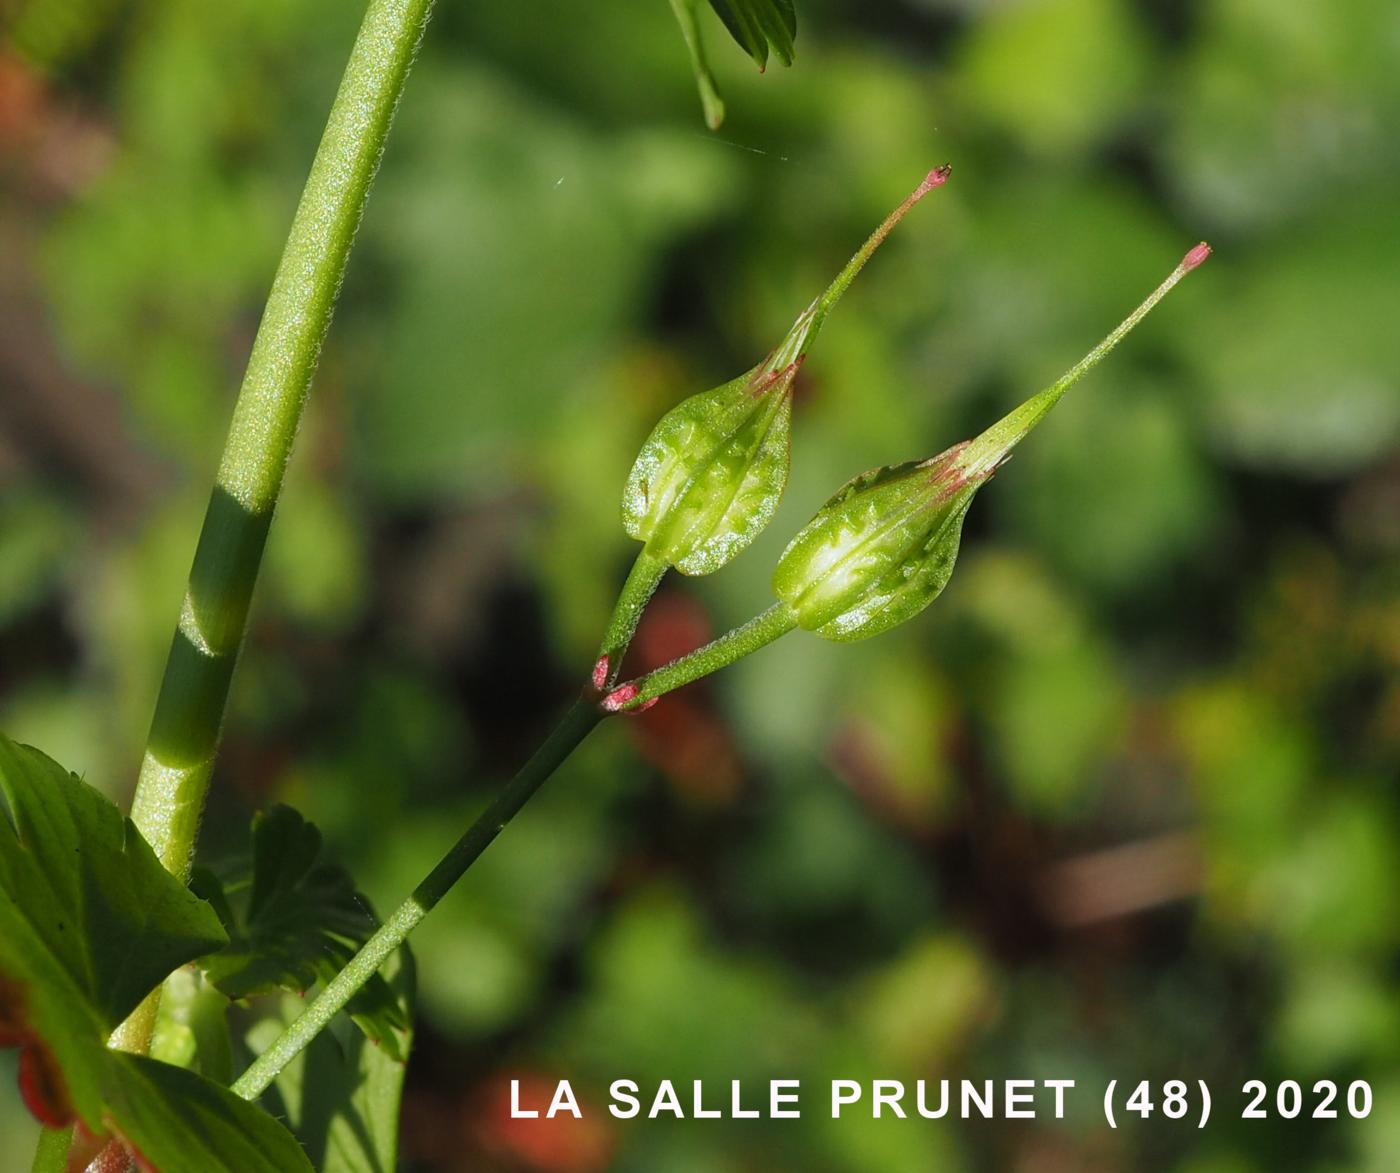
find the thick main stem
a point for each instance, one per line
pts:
(189, 712)
(570, 732)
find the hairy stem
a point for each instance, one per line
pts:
(51, 1155)
(568, 734)
(759, 631)
(646, 574)
(983, 454)
(189, 710)
(805, 329)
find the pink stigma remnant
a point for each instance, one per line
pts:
(935, 178)
(1195, 257)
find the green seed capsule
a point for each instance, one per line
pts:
(712, 472)
(883, 548)
(879, 551)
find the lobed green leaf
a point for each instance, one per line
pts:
(292, 921)
(760, 25)
(90, 923)
(178, 1120)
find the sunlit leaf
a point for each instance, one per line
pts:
(89, 924)
(86, 889)
(178, 1120)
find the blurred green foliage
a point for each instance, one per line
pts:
(1175, 628)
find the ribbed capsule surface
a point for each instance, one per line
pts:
(712, 472)
(879, 551)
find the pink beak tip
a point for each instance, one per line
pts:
(935, 178)
(1195, 257)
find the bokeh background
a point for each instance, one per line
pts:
(1122, 804)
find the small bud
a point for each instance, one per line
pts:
(618, 700)
(883, 548)
(710, 475)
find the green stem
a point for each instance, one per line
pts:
(794, 346)
(982, 455)
(710, 101)
(762, 629)
(51, 1155)
(189, 712)
(570, 732)
(646, 574)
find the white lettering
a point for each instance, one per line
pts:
(886, 1091)
(624, 1090)
(516, 1111)
(666, 1101)
(737, 1111)
(983, 1102)
(942, 1109)
(701, 1113)
(563, 1102)
(1059, 1085)
(843, 1091)
(779, 1097)
(1016, 1097)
